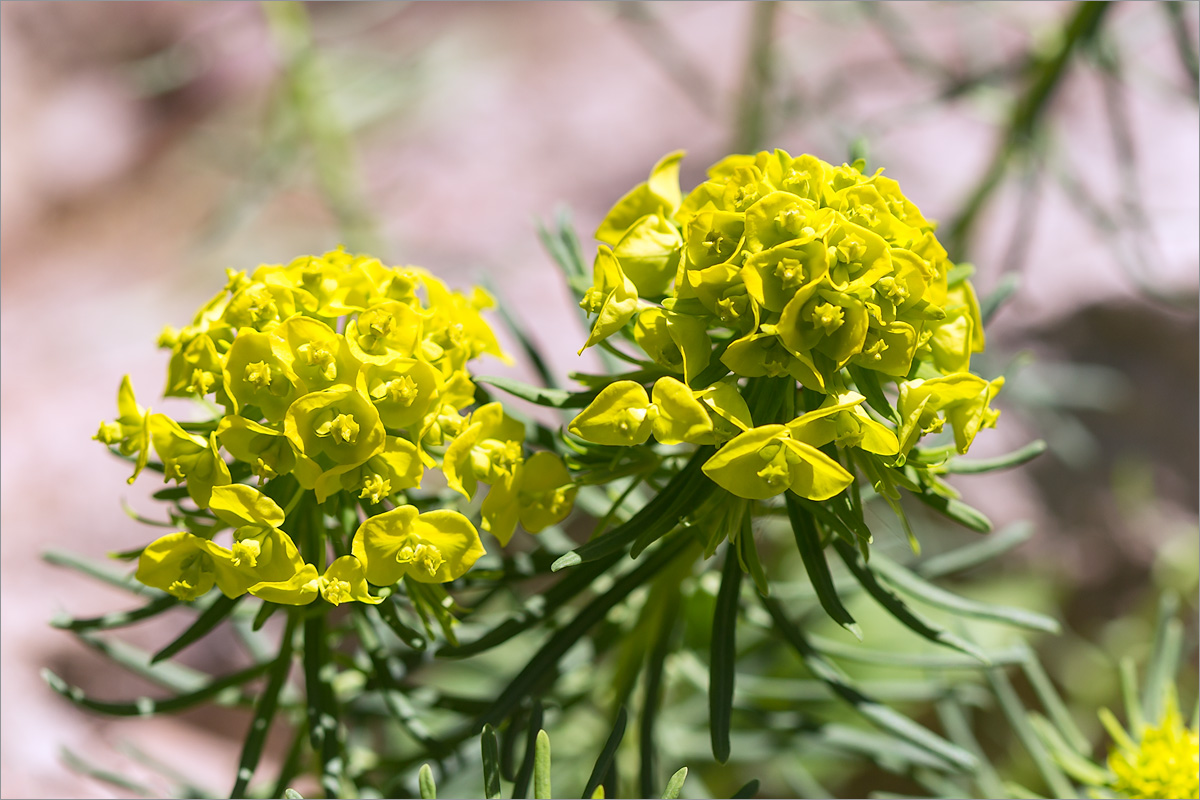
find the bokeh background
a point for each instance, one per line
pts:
(148, 146)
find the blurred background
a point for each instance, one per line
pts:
(146, 147)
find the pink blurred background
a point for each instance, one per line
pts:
(144, 150)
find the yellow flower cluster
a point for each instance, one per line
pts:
(1163, 762)
(336, 378)
(783, 267)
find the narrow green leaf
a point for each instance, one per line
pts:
(387, 669)
(78, 764)
(122, 579)
(546, 658)
(922, 661)
(917, 587)
(1053, 703)
(972, 466)
(915, 622)
(895, 755)
(1004, 289)
(563, 244)
(264, 613)
(432, 599)
(675, 785)
(664, 604)
(536, 609)
(1018, 718)
(867, 382)
(653, 520)
(808, 542)
(175, 678)
(883, 717)
(975, 553)
(292, 762)
(1129, 693)
(958, 728)
(551, 398)
(391, 617)
(490, 746)
(1164, 657)
(1075, 764)
(747, 552)
(531, 350)
(541, 767)
(183, 785)
(723, 656)
(292, 794)
(147, 706)
(749, 790)
(116, 619)
(425, 783)
(214, 615)
(604, 761)
(683, 502)
(264, 711)
(525, 773)
(170, 493)
(955, 509)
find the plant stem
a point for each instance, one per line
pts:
(264, 711)
(309, 95)
(756, 82)
(1048, 73)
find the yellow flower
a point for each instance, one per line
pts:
(188, 457)
(678, 342)
(1164, 761)
(434, 547)
(385, 331)
(344, 581)
(488, 450)
(182, 564)
(403, 390)
(766, 461)
(649, 254)
(545, 493)
(265, 449)
(659, 195)
(333, 431)
(455, 332)
(961, 399)
(395, 468)
(537, 493)
(256, 376)
(131, 431)
(619, 415)
(613, 298)
(841, 419)
(311, 351)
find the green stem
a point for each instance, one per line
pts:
(291, 763)
(723, 655)
(308, 94)
(756, 83)
(264, 711)
(322, 709)
(1048, 74)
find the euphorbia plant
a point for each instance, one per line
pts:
(798, 333)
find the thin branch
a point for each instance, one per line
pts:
(657, 41)
(1048, 74)
(750, 130)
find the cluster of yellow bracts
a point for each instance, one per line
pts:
(332, 370)
(784, 267)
